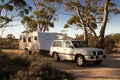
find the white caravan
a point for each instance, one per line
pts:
(36, 41)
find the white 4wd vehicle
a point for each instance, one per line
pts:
(76, 50)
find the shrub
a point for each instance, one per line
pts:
(109, 44)
(91, 41)
(49, 73)
(39, 69)
(21, 61)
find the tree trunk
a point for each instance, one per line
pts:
(83, 26)
(103, 26)
(85, 35)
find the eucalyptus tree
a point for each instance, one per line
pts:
(12, 9)
(43, 16)
(81, 17)
(87, 14)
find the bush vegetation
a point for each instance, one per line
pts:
(29, 67)
(109, 41)
(6, 43)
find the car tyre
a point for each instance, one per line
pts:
(80, 61)
(56, 57)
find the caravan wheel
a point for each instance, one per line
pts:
(27, 51)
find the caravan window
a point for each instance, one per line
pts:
(35, 38)
(24, 39)
(29, 39)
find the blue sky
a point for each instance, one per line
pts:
(113, 26)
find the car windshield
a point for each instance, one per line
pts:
(78, 44)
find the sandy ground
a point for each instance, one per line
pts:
(108, 70)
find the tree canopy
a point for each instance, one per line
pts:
(87, 14)
(10, 9)
(44, 15)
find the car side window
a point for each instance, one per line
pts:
(57, 44)
(68, 44)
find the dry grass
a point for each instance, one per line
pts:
(15, 65)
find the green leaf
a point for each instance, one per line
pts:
(51, 24)
(8, 7)
(66, 26)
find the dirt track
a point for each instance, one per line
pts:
(108, 70)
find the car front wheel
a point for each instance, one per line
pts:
(80, 61)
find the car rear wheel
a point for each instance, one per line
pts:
(80, 61)
(27, 51)
(56, 57)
